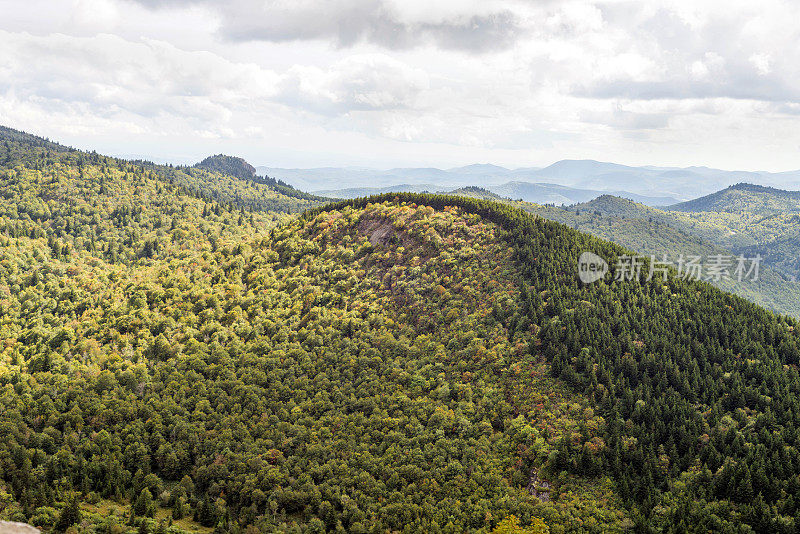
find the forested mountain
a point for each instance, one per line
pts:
(230, 165)
(757, 220)
(234, 167)
(476, 192)
(748, 219)
(745, 198)
(403, 363)
(652, 231)
(168, 357)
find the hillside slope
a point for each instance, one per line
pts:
(652, 231)
(758, 220)
(229, 165)
(745, 197)
(743, 219)
(166, 355)
(406, 362)
(679, 371)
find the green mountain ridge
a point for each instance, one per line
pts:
(230, 165)
(177, 346)
(476, 192)
(651, 231)
(744, 197)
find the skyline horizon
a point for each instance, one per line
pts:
(186, 160)
(383, 83)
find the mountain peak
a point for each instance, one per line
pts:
(480, 168)
(744, 186)
(231, 165)
(609, 201)
(745, 196)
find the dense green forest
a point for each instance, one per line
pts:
(238, 168)
(171, 361)
(652, 231)
(743, 218)
(758, 220)
(744, 197)
(180, 353)
(228, 165)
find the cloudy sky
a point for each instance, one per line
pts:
(384, 83)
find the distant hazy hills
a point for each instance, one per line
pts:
(546, 193)
(745, 197)
(356, 192)
(564, 182)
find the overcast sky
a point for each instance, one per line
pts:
(384, 83)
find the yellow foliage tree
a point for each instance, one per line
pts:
(510, 525)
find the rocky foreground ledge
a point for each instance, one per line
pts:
(9, 527)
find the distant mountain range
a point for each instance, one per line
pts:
(548, 193)
(540, 193)
(564, 182)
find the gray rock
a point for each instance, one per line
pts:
(9, 527)
(539, 487)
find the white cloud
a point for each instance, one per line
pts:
(94, 15)
(470, 25)
(762, 63)
(512, 81)
(145, 84)
(358, 82)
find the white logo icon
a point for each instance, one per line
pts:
(591, 267)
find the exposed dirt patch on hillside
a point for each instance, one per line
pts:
(382, 232)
